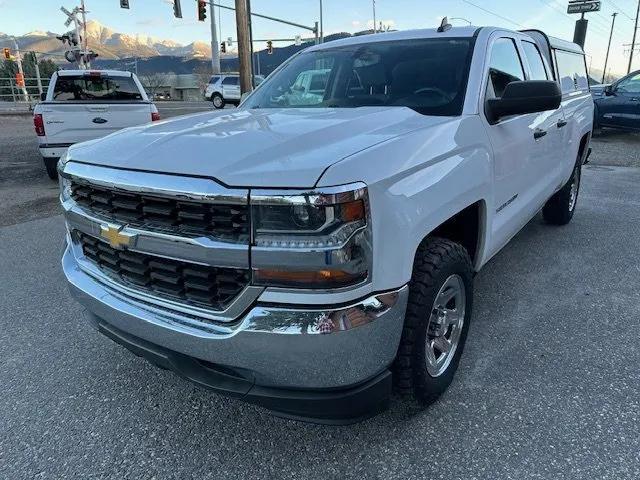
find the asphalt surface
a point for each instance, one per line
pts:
(548, 386)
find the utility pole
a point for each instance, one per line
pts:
(38, 79)
(244, 45)
(20, 70)
(374, 16)
(606, 59)
(215, 47)
(321, 24)
(633, 42)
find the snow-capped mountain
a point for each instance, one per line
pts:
(110, 44)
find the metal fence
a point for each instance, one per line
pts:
(11, 92)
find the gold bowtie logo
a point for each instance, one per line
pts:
(116, 238)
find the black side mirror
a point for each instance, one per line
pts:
(609, 90)
(43, 96)
(520, 98)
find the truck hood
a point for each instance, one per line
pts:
(260, 148)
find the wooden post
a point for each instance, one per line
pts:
(244, 45)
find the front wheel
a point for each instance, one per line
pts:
(217, 100)
(51, 164)
(437, 320)
(560, 208)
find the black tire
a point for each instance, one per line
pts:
(560, 208)
(51, 164)
(436, 261)
(218, 101)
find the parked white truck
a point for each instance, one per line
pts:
(309, 258)
(82, 105)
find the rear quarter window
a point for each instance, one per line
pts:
(572, 71)
(95, 88)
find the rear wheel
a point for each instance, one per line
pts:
(560, 208)
(217, 100)
(437, 320)
(51, 164)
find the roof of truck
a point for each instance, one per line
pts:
(453, 32)
(112, 73)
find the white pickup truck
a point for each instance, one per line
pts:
(309, 258)
(83, 105)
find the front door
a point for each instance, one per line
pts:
(231, 88)
(621, 108)
(522, 147)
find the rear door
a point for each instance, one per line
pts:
(553, 150)
(231, 88)
(622, 107)
(92, 105)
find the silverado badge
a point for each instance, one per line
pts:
(116, 238)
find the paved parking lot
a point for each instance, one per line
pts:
(548, 387)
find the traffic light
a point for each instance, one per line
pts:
(124, 4)
(177, 9)
(202, 10)
(7, 53)
(223, 47)
(269, 47)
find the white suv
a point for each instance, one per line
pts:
(309, 257)
(225, 88)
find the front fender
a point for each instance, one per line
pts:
(417, 182)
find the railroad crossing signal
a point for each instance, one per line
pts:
(7, 53)
(177, 9)
(584, 6)
(202, 10)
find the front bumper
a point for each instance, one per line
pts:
(278, 352)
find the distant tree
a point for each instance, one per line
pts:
(152, 82)
(203, 74)
(9, 68)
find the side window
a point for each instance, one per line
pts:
(230, 81)
(536, 64)
(630, 84)
(572, 71)
(505, 67)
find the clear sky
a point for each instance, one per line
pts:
(155, 17)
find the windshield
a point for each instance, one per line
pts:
(95, 87)
(428, 75)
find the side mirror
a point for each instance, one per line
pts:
(519, 98)
(43, 96)
(609, 90)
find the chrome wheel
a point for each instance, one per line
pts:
(445, 325)
(217, 101)
(573, 191)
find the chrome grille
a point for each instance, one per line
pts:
(188, 283)
(228, 222)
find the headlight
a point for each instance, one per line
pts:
(318, 239)
(63, 182)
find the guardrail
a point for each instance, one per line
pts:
(11, 92)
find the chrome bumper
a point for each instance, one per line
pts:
(276, 346)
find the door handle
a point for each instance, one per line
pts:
(562, 123)
(635, 99)
(539, 133)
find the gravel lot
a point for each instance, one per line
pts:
(548, 387)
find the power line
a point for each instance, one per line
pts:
(493, 13)
(621, 11)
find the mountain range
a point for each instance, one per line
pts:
(112, 45)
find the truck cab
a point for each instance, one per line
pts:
(325, 256)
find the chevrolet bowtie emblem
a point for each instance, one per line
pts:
(116, 238)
